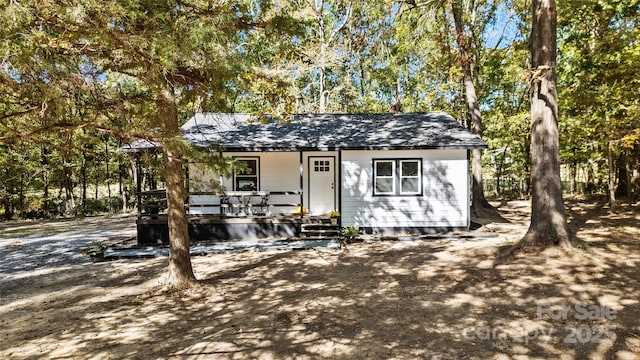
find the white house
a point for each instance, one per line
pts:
(406, 172)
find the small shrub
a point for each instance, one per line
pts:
(91, 207)
(113, 204)
(95, 248)
(350, 233)
(137, 301)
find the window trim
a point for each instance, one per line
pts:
(392, 177)
(402, 177)
(398, 177)
(257, 175)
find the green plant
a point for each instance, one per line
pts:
(350, 233)
(334, 214)
(95, 248)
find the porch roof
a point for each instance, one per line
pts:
(237, 132)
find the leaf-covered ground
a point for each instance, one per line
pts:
(433, 299)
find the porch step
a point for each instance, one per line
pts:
(319, 230)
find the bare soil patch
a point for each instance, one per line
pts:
(433, 299)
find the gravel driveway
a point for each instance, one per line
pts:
(26, 247)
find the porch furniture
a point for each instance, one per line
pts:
(245, 203)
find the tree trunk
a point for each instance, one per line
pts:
(67, 180)
(106, 163)
(500, 171)
(21, 195)
(635, 180)
(83, 175)
(612, 192)
(180, 272)
(123, 189)
(96, 179)
(622, 190)
(44, 162)
(68, 188)
(136, 174)
(6, 203)
(478, 199)
(318, 8)
(548, 220)
(574, 173)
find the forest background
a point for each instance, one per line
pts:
(79, 79)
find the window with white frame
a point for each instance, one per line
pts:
(247, 180)
(385, 177)
(410, 177)
(397, 177)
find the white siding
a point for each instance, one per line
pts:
(279, 171)
(444, 202)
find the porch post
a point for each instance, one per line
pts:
(338, 186)
(301, 185)
(138, 185)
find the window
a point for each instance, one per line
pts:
(321, 165)
(247, 180)
(397, 177)
(385, 179)
(410, 177)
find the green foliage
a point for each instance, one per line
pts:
(95, 248)
(137, 300)
(598, 56)
(350, 233)
(81, 78)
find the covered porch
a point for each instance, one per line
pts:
(231, 216)
(280, 195)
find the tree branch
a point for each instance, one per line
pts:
(344, 22)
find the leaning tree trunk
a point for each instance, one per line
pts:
(180, 272)
(548, 220)
(478, 199)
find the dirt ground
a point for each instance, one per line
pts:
(430, 299)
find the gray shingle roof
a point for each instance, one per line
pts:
(140, 145)
(236, 132)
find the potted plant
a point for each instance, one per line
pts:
(333, 217)
(96, 251)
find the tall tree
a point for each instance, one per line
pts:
(178, 51)
(548, 220)
(173, 51)
(478, 199)
(326, 33)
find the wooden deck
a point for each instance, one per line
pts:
(231, 216)
(154, 230)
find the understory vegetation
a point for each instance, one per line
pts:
(79, 81)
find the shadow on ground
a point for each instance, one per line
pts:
(436, 299)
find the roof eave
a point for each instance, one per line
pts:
(361, 147)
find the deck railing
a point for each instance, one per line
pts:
(230, 203)
(152, 202)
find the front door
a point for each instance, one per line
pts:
(322, 193)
